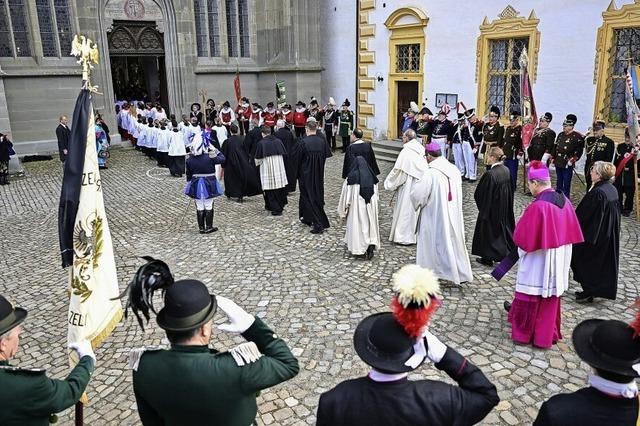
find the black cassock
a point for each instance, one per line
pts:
(314, 151)
(362, 149)
(364, 402)
(587, 407)
(251, 142)
(595, 261)
(240, 177)
(291, 159)
(492, 238)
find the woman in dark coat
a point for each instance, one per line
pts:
(492, 238)
(595, 261)
(6, 150)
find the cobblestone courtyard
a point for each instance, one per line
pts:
(305, 287)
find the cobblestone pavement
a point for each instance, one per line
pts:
(303, 285)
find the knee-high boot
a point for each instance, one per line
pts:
(208, 217)
(201, 221)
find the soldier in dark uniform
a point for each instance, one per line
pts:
(189, 383)
(423, 124)
(626, 182)
(315, 111)
(512, 146)
(476, 126)
(567, 150)
(330, 123)
(597, 147)
(28, 396)
(541, 145)
(345, 124)
(492, 131)
(441, 131)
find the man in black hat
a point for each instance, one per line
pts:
(345, 124)
(512, 146)
(227, 116)
(541, 145)
(300, 115)
(28, 396)
(196, 113)
(385, 396)
(191, 384)
(598, 147)
(492, 131)
(612, 349)
(567, 150)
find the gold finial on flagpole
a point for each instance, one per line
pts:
(87, 53)
(203, 93)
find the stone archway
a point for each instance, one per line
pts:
(164, 14)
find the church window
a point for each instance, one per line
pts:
(232, 28)
(54, 22)
(47, 33)
(207, 27)
(243, 25)
(63, 22)
(503, 89)
(626, 46)
(408, 58)
(500, 44)
(14, 31)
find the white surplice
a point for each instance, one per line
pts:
(408, 168)
(441, 242)
(362, 219)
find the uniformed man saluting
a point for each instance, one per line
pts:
(28, 396)
(598, 147)
(191, 384)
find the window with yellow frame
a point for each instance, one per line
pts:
(500, 45)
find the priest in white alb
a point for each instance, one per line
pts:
(408, 168)
(438, 197)
(359, 205)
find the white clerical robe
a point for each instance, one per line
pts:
(408, 168)
(362, 219)
(441, 242)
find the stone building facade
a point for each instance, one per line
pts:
(186, 50)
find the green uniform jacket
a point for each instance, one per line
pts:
(193, 385)
(345, 123)
(28, 397)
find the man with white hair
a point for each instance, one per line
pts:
(438, 197)
(408, 168)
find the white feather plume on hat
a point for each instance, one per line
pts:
(414, 107)
(332, 101)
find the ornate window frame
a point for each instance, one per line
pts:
(613, 19)
(509, 24)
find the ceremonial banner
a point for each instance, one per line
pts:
(85, 239)
(236, 87)
(529, 115)
(281, 94)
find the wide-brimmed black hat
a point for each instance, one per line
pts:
(382, 342)
(10, 316)
(226, 104)
(269, 104)
(196, 104)
(608, 345)
(187, 305)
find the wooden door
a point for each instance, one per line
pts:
(407, 91)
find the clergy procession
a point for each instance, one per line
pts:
(561, 251)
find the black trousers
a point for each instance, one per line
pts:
(176, 165)
(628, 192)
(331, 138)
(345, 142)
(244, 127)
(300, 132)
(275, 199)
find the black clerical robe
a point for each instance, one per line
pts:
(251, 142)
(362, 149)
(240, 177)
(314, 151)
(291, 159)
(587, 407)
(492, 238)
(595, 261)
(364, 402)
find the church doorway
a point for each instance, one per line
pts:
(406, 92)
(136, 53)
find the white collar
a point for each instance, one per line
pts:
(357, 141)
(495, 164)
(377, 376)
(624, 390)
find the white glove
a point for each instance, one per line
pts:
(519, 157)
(435, 348)
(239, 319)
(545, 158)
(83, 348)
(570, 163)
(475, 150)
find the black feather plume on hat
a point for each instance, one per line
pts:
(152, 276)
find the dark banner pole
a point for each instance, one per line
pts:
(79, 413)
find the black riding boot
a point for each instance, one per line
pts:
(209, 221)
(201, 221)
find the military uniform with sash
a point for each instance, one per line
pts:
(597, 149)
(345, 124)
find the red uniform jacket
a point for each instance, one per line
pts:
(300, 118)
(270, 118)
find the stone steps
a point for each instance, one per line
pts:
(387, 150)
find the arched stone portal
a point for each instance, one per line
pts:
(156, 18)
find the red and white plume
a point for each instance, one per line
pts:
(417, 297)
